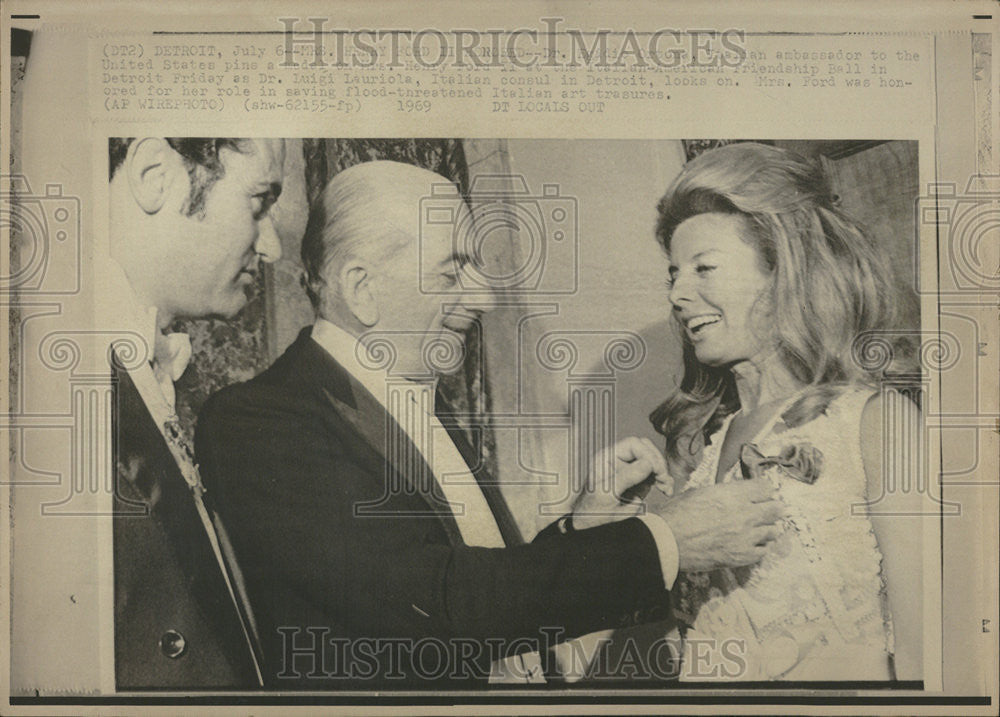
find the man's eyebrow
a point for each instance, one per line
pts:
(460, 258)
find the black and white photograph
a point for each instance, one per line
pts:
(503, 412)
(713, 431)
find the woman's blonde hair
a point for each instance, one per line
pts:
(830, 284)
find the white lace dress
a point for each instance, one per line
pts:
(814, 608)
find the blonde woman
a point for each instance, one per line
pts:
(771, 284)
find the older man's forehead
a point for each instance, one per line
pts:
(449, 244)
(273, 153)
(261, 160)
(275, 148)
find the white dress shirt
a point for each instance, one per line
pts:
(411, 404)
(414, 411)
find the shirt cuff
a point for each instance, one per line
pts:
(666, 546)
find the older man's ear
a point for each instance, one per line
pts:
(357, 290)
(149, 172)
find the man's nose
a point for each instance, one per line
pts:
(476, 292)
(268, 244)
(483, 301)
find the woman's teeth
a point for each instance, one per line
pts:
(699, 322)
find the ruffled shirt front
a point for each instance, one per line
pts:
(814, 608)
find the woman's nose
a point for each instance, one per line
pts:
(680, 290)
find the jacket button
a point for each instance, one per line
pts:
(173, 644)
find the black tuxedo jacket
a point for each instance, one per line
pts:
(175, 622)
(292, 454)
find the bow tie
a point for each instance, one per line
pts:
(801, 461)
(171, 354)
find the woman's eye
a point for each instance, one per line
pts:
(704, 268)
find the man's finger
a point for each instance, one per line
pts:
(628, 449)
(629, 474)
(665, 485)
(656, 458)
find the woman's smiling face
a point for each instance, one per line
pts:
(720, 289)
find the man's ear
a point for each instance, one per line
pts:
(356, 287)
(149, 168)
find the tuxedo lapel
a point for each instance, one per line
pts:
(487, 483)
(166, 578)
(404, 466)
